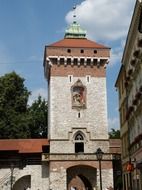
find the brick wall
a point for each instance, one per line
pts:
(88, 52)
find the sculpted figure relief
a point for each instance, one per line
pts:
(78, 95)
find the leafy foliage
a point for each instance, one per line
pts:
(17, 120)
(13, 106)
(38, 116)
(114, 134)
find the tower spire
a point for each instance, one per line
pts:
(74, 14)
(74, 30)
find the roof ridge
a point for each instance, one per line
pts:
(77, 43)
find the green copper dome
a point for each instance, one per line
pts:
(75, 31)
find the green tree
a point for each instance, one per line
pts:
(114, 134)
(38, 117)
(13, 107)
(17, 119)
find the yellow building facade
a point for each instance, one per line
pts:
(129, 84)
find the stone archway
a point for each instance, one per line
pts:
(81, 177)
(22, 183)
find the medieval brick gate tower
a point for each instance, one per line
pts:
(75, 68)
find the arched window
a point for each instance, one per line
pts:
(79, 143)
(79, 137)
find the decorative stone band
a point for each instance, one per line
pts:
(50, 60)
(76, 157)
(77, 66)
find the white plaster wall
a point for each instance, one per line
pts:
(62, 118)
(58, 179)
(5, 178)
(69, 146)
(39, 178)
(107, 178)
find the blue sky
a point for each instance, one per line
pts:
(26, 26)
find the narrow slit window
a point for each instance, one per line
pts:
(69, 50)
(70, 78)
(88, 78)
(79, 115)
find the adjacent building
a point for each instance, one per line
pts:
(129, 84)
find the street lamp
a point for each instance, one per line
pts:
(99, 154)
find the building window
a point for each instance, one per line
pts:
(79, 143)
(79, 137)
(88, 78)
(95, 51)
(69, 50)
(78, 114)
(82, 51)
(79, 147)
(70, 77)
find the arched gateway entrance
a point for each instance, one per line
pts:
(81, 178)
(23, 183)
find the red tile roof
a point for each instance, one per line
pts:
(79, 43)
(23, 145)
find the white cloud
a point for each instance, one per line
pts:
(104, 19)
(114, 123)
(116, 55)
(35, 93)
(107, 22)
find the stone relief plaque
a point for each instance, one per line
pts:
(78, 92)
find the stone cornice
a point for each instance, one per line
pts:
(86, 60)
(79, 61)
